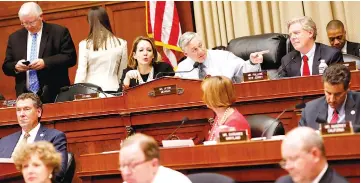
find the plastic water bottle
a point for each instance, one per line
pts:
(322, 67)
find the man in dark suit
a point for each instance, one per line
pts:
(337, 36)
(307, 56)
(48, 48)
(29, 111)
(304, 158)
(338, 105)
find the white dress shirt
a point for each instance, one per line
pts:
(33, 132)
(344, 49)
(310, 55)
(28, 50)
(219, 63)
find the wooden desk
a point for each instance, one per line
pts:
(245, 162)
(9, 174)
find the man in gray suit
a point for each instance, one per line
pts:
(28, 112)
(338, 105)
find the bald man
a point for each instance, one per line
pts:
(303, 157)
(337, 36)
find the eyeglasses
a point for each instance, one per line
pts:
(27, 24)
(131, 167)
(292, 160)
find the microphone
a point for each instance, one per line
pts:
(67, 88)
(298, 106)
(195, 65)
(183, 121)
(277, 75)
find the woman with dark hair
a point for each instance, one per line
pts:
(143, 65)
(102, 56)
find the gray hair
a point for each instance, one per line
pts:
(186, 38)
(307, 24)
(30, 8)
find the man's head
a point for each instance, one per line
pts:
(139, 159)
(336, 34)
(302, 32)
(336, 81)
(193, 46)
(303, 154)
(28, 110)
(31, 16)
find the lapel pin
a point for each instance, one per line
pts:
(353, 112)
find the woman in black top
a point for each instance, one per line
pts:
(142, 64)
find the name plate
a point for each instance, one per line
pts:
(165, 90)
(333, 129)
(255, 76)
(233, 136)
(8, 103)
(350, 65)
(86, 96)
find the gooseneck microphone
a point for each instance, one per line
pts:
(185, 119)
(195, 65)
(277, 75)
(298, 106)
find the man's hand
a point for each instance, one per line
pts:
(20, 67)
(257, 57)
(37, 64)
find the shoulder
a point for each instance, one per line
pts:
(315, 103)
(54, 26)
(188, 62)
(161, 65)
(284, 179)
(179, 177)
(353, 44)
(327, 48)
(51, 131)
(17, 33)
(355, 95)
(82, 44)
(11, 137)
(290, 55)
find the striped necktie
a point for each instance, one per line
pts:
(33, 77)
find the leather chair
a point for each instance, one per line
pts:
(70, 169)
(260, 123)
(210, 178)
(2, 97)
(67, 93)
(349, 58)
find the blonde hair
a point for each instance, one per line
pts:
(45, 150)
(147, 143)
(218, 91)
(133, 63)
(307, 24)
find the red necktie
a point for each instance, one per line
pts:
(306, 70)
(334, 117)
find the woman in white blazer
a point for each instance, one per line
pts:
(102, 56)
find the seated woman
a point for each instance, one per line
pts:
(142, 64)
(102, 56)
(219, 94)
(37, 162)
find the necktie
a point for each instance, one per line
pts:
(202, 73)
(306, 70)
(334, 117)
(33, 77)
(25, 139)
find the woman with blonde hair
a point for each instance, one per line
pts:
(102, 56)
(219, 95)
(38, 162)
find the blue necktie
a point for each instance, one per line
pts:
(33, 77)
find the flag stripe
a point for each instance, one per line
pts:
(173, 39)
(158, 21)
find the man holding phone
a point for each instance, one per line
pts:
(39, 55)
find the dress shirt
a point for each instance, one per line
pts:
(310, 56)
(33, 132)
(28, 50)
(219, 63)
(344, 49)
(165, 175)
(340, 110)
(320, 175)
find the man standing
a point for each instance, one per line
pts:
(39, 55)
(305, 59)
(213, 62)
(338, 105)
(337, 36)
(28, 112)
(304, 158)
(139, 162)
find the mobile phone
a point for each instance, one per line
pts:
(26, 62)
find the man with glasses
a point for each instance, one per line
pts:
(307, 56)
(337, 36)
(214, 62)
(304, 158)
(39, 55)
(338, 105)
(139, 162)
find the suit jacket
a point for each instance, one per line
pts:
(158, 67)
(330, 176)
(353, 48)
(291, 63)
(56, 137)
(56, 49)
(318, 109)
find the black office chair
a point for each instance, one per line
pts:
(70, 169)
(67, 93)
(2, 97)
(260, 123)
(210, 178)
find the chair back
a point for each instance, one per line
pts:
(70, 169)
(260, 123)
(67, 93)
(210, 178)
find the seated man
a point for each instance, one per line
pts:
(213, 62)
(305, 59)
(304, 158)
(139, 162)
(337, 36)
(28, 112)
(338, 105)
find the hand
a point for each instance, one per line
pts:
(132, 74)
(20, 67)
(257, 57)
(37, 64)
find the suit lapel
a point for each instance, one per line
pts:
(24, 44)
(316, 59)
(41, 133)
(350, 108)
(322, 112)
(12, 146)
(44, 39)
(296, 64)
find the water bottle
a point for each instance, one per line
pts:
(322, 67)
